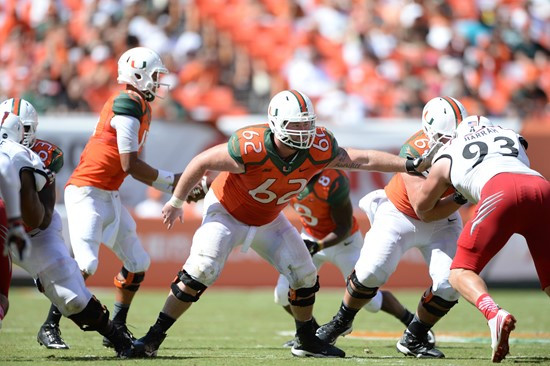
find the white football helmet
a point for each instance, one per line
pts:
(470, 123)
(11, 127)
(137, 66)
(28, 116)
(286, 109)
(440, 117)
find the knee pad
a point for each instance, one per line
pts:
(94, 317)
(375, 304)
(303, 296)
(359, 291)
(436, 305)
(130, 281)
(190, 282)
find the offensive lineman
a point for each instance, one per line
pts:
(395, 227)
(262, 167)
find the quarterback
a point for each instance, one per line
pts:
(94, 209)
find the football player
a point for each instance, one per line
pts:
(94, 209)
(50, 264)
(12, 232)
(331, 234)
(397, 227)
(49, 334)
(262, 168)
(489, 166)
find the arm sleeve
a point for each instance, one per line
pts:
(9, 187)
(127, 129)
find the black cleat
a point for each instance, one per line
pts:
(123, 328)
(49, 335)
(148, 345)
(333, 329)
(311, 346)
(122, 341)
(410, 345)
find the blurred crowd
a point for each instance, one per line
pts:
(354, 58)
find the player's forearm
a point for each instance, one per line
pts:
(335, 237)
(442, 209)
(371, 160)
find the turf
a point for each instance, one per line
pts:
(237, 327)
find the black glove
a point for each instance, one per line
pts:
(459, 198)
(312, 246)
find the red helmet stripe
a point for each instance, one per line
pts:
(455, 108)
(301, 100)
(16, 106)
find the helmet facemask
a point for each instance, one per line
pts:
(292, 120)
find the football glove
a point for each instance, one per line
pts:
(423, 162)
(17, 239)
(459, 198)
(312, 246)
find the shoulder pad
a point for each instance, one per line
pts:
(414, 146)
(324, 148)
(128, 105)
(247, 145)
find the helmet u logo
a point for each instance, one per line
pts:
(143, 64)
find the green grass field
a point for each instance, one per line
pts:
(236, 327)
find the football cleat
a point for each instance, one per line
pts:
(148, 345)
(122, 341)
(410, 345)
(123, 328)
(308, 345)
(335, 328)
(49, 336)
(501, 325)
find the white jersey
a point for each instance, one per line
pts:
(24, 158)
(478, 156)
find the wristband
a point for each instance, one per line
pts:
(164, 177)
(175, 202)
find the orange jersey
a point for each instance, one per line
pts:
(395, 189)
(313, 204)
(50, 154)
(258, 195)
(99, 164)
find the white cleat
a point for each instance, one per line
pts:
(501, 326)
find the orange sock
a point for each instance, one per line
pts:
(487, 306)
